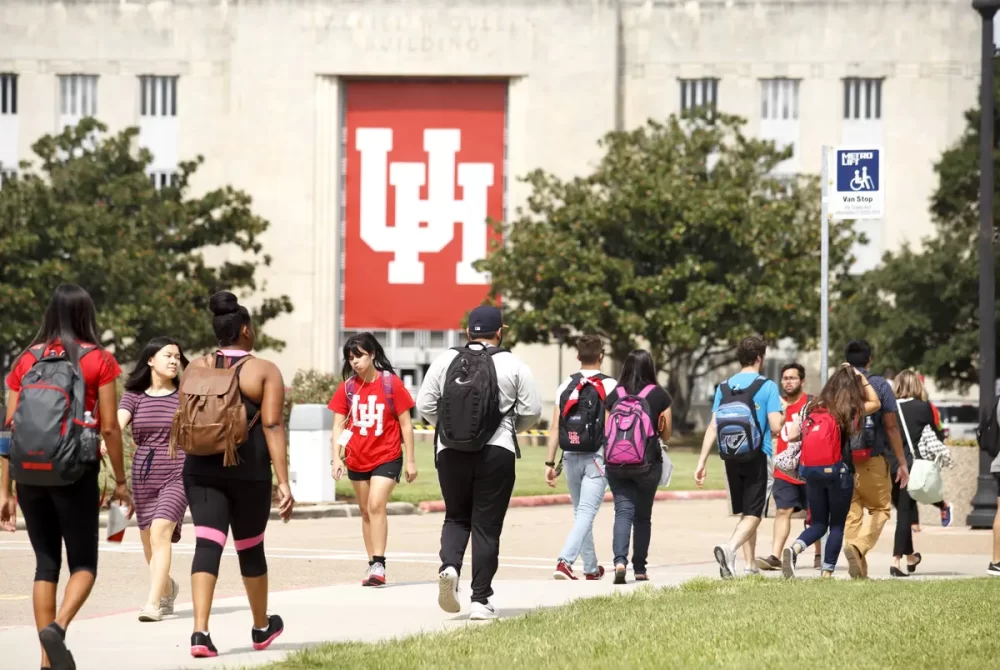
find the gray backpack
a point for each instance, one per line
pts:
(47, 432)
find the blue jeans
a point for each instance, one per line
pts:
(633, 491)
(829, 495)
(586, 481)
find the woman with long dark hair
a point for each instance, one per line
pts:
(238, 495)
(846, 399)
(371, 419)
(149, 404)
(65, 513)
(634, 485)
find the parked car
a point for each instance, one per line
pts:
(959, 420)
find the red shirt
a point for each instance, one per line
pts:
(98, 368)
(376, 435)
(791, 417)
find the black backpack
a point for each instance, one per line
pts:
(581, 423)
(988, 433)
(469, 407)
(48, 428)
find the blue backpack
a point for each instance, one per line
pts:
(739, 432)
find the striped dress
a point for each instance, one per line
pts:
(157, 482)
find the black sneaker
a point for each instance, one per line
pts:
(262, 639)
(202, 647)
(53, 639)
(994, 569)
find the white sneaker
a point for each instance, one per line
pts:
(727, 561)
(448, 591)
(167, 602)
(148, 613)
(481, 612)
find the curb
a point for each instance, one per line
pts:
(320, 511)
(564, 499)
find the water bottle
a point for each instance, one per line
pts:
(5, 443)
(89, 439)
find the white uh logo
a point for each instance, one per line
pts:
(368, 415)
(440, 211)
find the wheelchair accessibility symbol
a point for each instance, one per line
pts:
(861, 181)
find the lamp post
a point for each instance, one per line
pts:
(984, 504)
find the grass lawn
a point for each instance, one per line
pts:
(531, 476)
(746, 623)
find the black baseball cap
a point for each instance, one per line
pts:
(485, 319)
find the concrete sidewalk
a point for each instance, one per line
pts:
(350, 613)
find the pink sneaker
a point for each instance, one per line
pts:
(563, 572)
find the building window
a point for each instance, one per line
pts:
(779, 99)
(162, 179)
(698, 93)
(8, 94)
(407, 338)
(862, 99)
(77, 95)
(439, 339)
(157, 95)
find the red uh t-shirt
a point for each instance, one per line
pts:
(791, 416)
(377, 436)
(98, 368)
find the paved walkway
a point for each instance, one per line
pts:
(341, 610)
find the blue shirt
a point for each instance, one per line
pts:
(888, 399)
(766, 401)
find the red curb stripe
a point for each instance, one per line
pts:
(564, 499)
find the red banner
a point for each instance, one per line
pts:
(424, 171)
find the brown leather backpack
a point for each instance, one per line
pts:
(211, 417)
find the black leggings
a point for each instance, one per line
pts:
(218, 503)
(53, 514)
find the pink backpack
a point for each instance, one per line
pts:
(630, 430)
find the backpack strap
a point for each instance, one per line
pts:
(387, 390)
(222, 357)
(620, 392)
(646, 391)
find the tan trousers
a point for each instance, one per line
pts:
(872, 491)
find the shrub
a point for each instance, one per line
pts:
(310, 386)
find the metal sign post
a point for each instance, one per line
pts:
(858, 193)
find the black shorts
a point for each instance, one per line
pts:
(748, 485)
(789, 496)
(390, 470)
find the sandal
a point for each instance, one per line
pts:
(912, 567)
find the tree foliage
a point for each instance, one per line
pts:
(88, 214)
(681, 240)
(920, 308)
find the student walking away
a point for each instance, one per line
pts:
(747, 410)
(578, 429)
(873, 483)
(915, 415)
(638, 419)
(61, 394)
(148, 405)
(371, 420)
(789, 492)
(826, 462)
(229, 423)
(478, 397)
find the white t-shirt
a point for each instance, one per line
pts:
(609, 383)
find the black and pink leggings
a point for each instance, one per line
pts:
(218, 503)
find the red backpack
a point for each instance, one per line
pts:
(821, 443)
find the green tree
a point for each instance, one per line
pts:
(89, 214)
(920, 308)
(681, 240)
